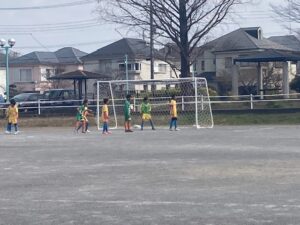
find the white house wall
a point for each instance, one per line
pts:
(2, 81)
(209, 62)
(111, 67)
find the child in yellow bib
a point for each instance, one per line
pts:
(173, 113)
(12, 115)
(105, 116)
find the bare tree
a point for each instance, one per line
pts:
(272, 78)
(184, 22)
(247, 82)
(288, 11)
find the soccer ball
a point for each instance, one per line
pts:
(137, 126)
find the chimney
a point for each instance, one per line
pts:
(255, 32)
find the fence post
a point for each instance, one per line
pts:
(251, 101)
(182, 103)
(39, 107)
(134, 104)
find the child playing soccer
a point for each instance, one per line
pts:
(12, 114)
(78, 123)
(105, 116)
(145, 113)
(173, 113)
(127, 114)
(82, 115)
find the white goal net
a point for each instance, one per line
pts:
(192, 97)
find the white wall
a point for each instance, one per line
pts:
(209, 62)
(2, 80)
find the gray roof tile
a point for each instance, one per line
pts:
(134, 48)
(66, 55)
(289, 41)
(240, 40)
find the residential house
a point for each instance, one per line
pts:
(217, 60)
(289, 41)
(30, 72)
(2, 74)
(110, 60)
(11, 56)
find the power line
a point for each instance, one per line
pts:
(48, 24)
(40, 43)
(49, 28)
(75, 3)
(63, 45)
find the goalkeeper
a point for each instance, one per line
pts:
(145, 113)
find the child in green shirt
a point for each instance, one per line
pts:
(146, 113)
(127, 114)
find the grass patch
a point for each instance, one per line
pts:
(257, 118)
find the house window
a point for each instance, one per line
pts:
(214, 62)
(137, 66)
(130, 66)
(194, 67)
(228, 62)
(122, 67)
(203, 65)
(162, 68)
(24, 76)
(245, 64)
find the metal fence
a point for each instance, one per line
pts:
(246, 102)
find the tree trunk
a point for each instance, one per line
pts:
(184, 51)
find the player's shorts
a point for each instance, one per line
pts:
(146, 116)
(127, 118)
(78, 118)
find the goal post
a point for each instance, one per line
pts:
(192, 97)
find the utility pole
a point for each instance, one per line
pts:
(151, 45)
(290, 20)
(126, 72)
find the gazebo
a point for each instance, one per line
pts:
(79, 77)
(269, 55)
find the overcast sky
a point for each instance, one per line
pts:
(52, 28)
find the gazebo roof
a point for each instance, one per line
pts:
(270, 55)
(79, 75)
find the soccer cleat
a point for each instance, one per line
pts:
(170, 129)
(88, 131)
(176, 129)
(16, 132)
(7, 132)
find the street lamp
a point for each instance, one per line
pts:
(11, 43)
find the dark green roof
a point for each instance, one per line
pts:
(270, 55)
(79, 75)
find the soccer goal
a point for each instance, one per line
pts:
(192, 97)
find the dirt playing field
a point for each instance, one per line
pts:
(226, 175)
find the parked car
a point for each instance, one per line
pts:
(59, 94)
(60, 97)
(28, 101)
